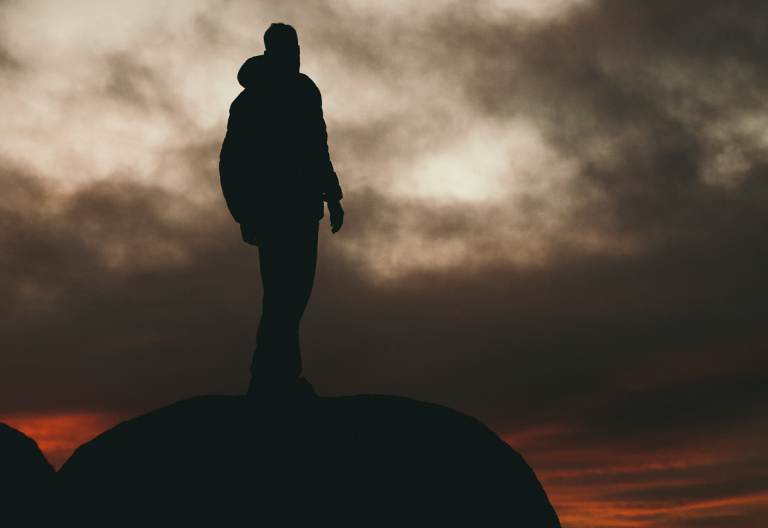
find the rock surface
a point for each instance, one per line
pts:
(351, 461)
(26, 480)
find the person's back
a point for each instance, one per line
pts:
(275, 165)
(275, 173)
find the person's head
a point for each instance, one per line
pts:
(282, 47)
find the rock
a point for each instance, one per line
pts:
(26, 480)
(352, 461)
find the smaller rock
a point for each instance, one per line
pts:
(26, 480)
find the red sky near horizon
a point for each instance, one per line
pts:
(556, 219)
(583, 493)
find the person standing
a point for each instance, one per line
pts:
(276, 173)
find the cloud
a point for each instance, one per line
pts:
(647, 96)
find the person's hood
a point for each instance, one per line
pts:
(253, 71)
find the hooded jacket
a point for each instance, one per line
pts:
(274, 163)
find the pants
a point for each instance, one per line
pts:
(288, 258)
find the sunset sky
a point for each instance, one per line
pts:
(557, 222)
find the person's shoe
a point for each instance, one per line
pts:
(292, 389)
(304, 388)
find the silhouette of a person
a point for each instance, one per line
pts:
(275, 174)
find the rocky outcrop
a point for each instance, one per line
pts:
(350, 461)
(26, 480)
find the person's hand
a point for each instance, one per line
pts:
(249, 234)
(337, 215)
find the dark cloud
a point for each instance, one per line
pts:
(7, 61)
(130, 81)
(633, 91)
(114, 274)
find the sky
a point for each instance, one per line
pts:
(556, 222)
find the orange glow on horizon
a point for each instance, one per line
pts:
(624, 486)
(58, 435)
(599, 494)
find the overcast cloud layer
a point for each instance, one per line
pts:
(557, 222)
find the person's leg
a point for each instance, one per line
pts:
(288, 259)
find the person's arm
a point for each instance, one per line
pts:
(329, 181)
(337, 215)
